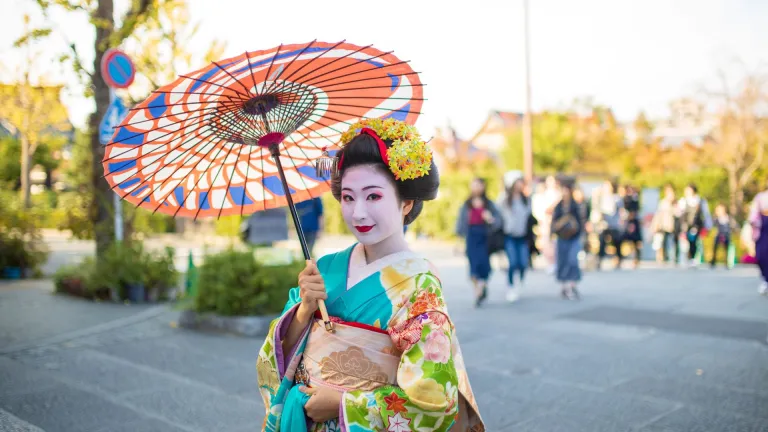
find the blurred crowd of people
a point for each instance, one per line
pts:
(556, 221)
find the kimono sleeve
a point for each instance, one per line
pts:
(426, 398)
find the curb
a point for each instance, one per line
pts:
(247, 326)
(11, 423)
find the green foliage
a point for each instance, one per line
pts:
(21, 243)
(144, 221)
(36, 112)
(75, 211)
(168, 33)
(10, 163)
(712, 183)
(334, 222)
(229, 226)
(78, 280)
(79, 169)
(234, 283)
(32, 35)
(121, 265)
(160, 271)
(554, 135)
(10, 159)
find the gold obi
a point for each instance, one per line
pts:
(352, 357)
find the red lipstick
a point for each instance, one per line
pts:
(364, 228)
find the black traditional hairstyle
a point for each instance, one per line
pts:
(364, 150)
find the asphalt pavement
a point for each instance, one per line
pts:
(653, 349)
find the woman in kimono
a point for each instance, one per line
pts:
(392, 360)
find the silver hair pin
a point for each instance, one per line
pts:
(326, 165)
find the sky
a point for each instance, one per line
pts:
(632, 55)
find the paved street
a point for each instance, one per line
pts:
(647, 350)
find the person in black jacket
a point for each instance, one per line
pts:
(631, 213)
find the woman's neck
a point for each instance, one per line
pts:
(392, 244)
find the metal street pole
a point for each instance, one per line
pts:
(116, 202)
(527, 126)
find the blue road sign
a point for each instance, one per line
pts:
(117, 69)
(114, 115)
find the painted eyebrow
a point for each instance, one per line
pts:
(365, 188)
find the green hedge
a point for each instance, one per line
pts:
(234, 283)
(21, 243)
(121, 265)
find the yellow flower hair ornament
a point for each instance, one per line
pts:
(408, 158)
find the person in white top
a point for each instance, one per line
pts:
(543, 204)
(515, 210)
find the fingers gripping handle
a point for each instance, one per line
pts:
(275, 150)
(323, 310)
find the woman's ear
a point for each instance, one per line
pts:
(407, 207)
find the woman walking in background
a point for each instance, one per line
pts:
(567, 226)
(632, 233)
(666, 225)
(693, 221)
(611, 229)
(515, 211)
(544, 200)
(478, 218)
(758, 217)
(724, 226)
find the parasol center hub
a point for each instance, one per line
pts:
(271, 139)
(261, 104)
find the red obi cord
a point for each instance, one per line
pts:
(379, 141)
(352, 323)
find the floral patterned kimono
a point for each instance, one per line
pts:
(393, 352)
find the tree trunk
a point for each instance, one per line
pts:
(738, 203)
(733, 186)
(48, 178)
(26, 167)
(102, 214)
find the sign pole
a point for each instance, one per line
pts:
(118, 71)
(527, 120)
(116, 202)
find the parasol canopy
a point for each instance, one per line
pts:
(213, 142)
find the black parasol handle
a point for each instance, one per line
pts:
(275, 151)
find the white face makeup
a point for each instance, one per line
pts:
(369, 205)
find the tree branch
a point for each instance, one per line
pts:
(757, 162)
(77, 63)
(69, 7)
(135, 15)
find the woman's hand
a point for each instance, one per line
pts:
(323, 403)
(488, 217)
(311, 289)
